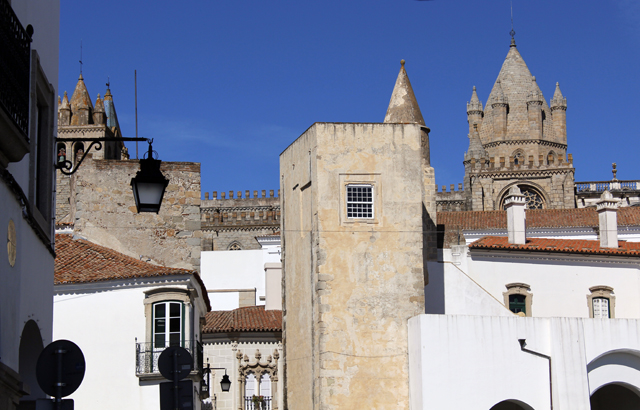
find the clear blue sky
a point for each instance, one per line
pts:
(231, 84)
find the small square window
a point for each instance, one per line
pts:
(360, 201)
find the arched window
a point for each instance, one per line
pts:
(601, 302)
(534, 198)
(518, 157)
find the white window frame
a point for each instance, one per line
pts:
(167, 324)
(601, 292)
(370, 202)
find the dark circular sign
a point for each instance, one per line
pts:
(183, 364)
(65, 356)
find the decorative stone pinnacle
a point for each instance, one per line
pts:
(607, 202)
(615, 171)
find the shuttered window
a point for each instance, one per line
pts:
(601, 308)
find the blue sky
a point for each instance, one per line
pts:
(232, 84)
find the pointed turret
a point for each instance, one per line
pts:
(474, 111)
(499, 106)
(98, 112)
(476, 150)
(110, 112)
(403, 107)
(64, 110)
(534, 110)
(81, 106)
(559, 114)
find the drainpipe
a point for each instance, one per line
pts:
(523, 343)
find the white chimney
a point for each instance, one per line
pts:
(607, 209)
(515, 205)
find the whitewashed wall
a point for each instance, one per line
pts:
(230, 271)
(104, 319)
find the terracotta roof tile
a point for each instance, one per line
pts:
(244, 319)
(452, 223)
(574, 246)
(80, 261)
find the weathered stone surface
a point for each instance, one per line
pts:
(350, 285)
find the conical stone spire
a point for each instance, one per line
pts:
(476, 150)
(403, 107)
(81, 106)
(64, 110)
(558, 101)
(98, 112)
(475, 105)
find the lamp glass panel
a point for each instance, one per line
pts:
(149, 192)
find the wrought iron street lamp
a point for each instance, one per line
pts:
(225, 383)
(149, 183)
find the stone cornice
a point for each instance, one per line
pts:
(527, 173)
(545, 143)
(631, 261)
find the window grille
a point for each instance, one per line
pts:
(601, 308)
(360, 201)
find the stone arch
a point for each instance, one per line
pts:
(30, 347)
(518, 157)
(258, 368)
(511, 404)
(78, 152)
(621, 366)
(551, 158)
(529, 189)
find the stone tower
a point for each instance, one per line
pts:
(517, 139)
(356, 200)
(78, 118)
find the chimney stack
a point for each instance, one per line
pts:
(607, 209)
(515, 205)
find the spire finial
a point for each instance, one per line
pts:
(512, 32)
(80, 58)
(402, 63)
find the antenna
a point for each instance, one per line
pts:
(135, 75)
(512, 32)
(80, 57)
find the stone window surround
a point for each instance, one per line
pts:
(602, 291)
(166, 295)
(518, 288)
(372, 179)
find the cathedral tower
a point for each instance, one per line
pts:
(517, 140)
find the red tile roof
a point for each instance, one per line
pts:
(81, 261)
(244, 319)
(452, 223)
(574, 246)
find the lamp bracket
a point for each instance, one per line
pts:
(67, 168)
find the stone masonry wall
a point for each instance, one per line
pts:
(235, 221)
(106, 214)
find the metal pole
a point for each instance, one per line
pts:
(135, 74)
(59, 383)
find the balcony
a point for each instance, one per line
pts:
(14, 86)
(257, 403)
(147, 359)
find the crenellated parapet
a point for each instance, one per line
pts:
(238, 212)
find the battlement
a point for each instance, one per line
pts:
(452, 189)
(454, 200)
(512, 163)
(240, 212)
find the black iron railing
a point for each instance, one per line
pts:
(147, 357)
(258, 404)
(15, 47)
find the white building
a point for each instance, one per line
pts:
(28, 78)
(242, 335)
(123, 313)
(530, 322)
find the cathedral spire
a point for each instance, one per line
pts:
(558, 100)
(403, 107)
(81, 105)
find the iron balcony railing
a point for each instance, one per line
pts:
(601, 186)
(15, 48)
(147, 357)
(263, 404)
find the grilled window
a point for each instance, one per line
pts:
(360, 201)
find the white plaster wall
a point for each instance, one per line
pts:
(223, 354)
(481, 358)
(560, 284)
(26, 289)
(105, 324)
(227, 270)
